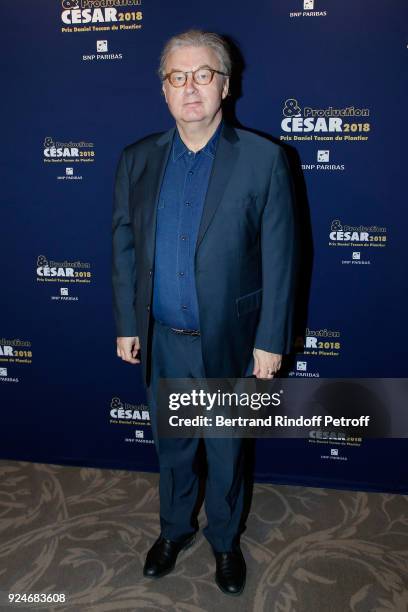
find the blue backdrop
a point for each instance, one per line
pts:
(79, 83)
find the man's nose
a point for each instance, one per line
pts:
(190, 84)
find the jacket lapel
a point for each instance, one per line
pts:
(225, 158)
(156, 165)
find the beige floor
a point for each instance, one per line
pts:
(85, 532)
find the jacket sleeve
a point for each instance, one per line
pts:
(279, 262)
(123, 255)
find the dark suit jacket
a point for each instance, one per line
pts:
(245, 258)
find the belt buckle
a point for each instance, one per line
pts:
(185, 332)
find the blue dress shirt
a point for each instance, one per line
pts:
(180, 207)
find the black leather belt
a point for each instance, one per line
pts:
(186, 332)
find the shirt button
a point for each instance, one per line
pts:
(184, 307)
(183, 237)
(181, 273)
(190, 172)
(188, 203)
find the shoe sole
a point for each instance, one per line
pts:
(187, 545)
(236, 594)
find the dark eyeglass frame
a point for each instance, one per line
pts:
(193, 72)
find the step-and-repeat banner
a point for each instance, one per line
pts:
(324, 77)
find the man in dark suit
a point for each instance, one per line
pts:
(203, 281)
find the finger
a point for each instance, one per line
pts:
(131, 354)
(267, 373)
(136, 355)
(256, 365)
(263, 373)
(125, 355)
(130, 359)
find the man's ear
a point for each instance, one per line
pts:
(225, 88)
(164, 92)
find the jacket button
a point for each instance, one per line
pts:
(150, 272)
(148, 307)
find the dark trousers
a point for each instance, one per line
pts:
(179, 356)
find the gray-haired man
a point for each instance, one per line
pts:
(203, 278)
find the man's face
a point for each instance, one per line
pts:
(192, 102)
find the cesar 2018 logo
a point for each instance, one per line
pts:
(328, 119)
(45, 269)
(72, 12)
(93, 11)
(55, 151)
(129, 412)
(51, 149)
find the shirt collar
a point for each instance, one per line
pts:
(179, 148)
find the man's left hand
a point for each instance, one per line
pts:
(266, 364)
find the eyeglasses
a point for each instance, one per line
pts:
(202, 76)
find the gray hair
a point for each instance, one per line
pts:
(198, 38)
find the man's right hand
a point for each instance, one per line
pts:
(128, 348)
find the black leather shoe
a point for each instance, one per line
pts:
(161, 558)
(231, 571)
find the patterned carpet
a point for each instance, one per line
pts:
(85, 532)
